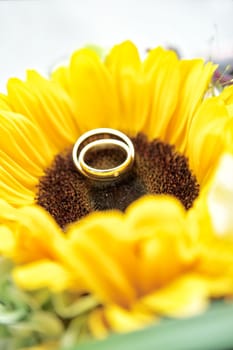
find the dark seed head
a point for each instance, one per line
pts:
(158, 169)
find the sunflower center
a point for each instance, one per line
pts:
(158, 169)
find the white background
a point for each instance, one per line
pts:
(39, 33)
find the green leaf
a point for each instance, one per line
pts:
(212, 330)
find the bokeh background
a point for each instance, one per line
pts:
(41, 33)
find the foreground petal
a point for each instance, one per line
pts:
(186, 296)
(95, 242)
(7, 241)
(121, 320)
(220, 197)
(35, 233)
(43, 274)
(164, 246)
(7, 212)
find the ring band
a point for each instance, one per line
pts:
(123, 143)
(110, 173)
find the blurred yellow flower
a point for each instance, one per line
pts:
(156, 258)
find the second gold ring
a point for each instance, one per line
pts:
(123, 143)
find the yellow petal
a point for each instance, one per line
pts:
(19, 173)
(57, 105)
(47, 105)
(14, 184)
(61, 76)
(24, 156)
(123, 62)
(220, 197)
(164, 84)
(164, 248)
(97, 324)
(13, 192)
(7, 241)
(207, 137)
(23, 142)
(195, 77)
(154, 58)
(227, 95)
(37, 236)
(31, 236)
(95, 242)
(93, 91)
(185, 296)
(7, 212)
(4, 103)
(216, 263)
(150, 213)
(42, 274)
(121, 320)
(228, 136)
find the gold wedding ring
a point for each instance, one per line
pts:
(120, 141)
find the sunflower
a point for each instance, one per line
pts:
(145, 247)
